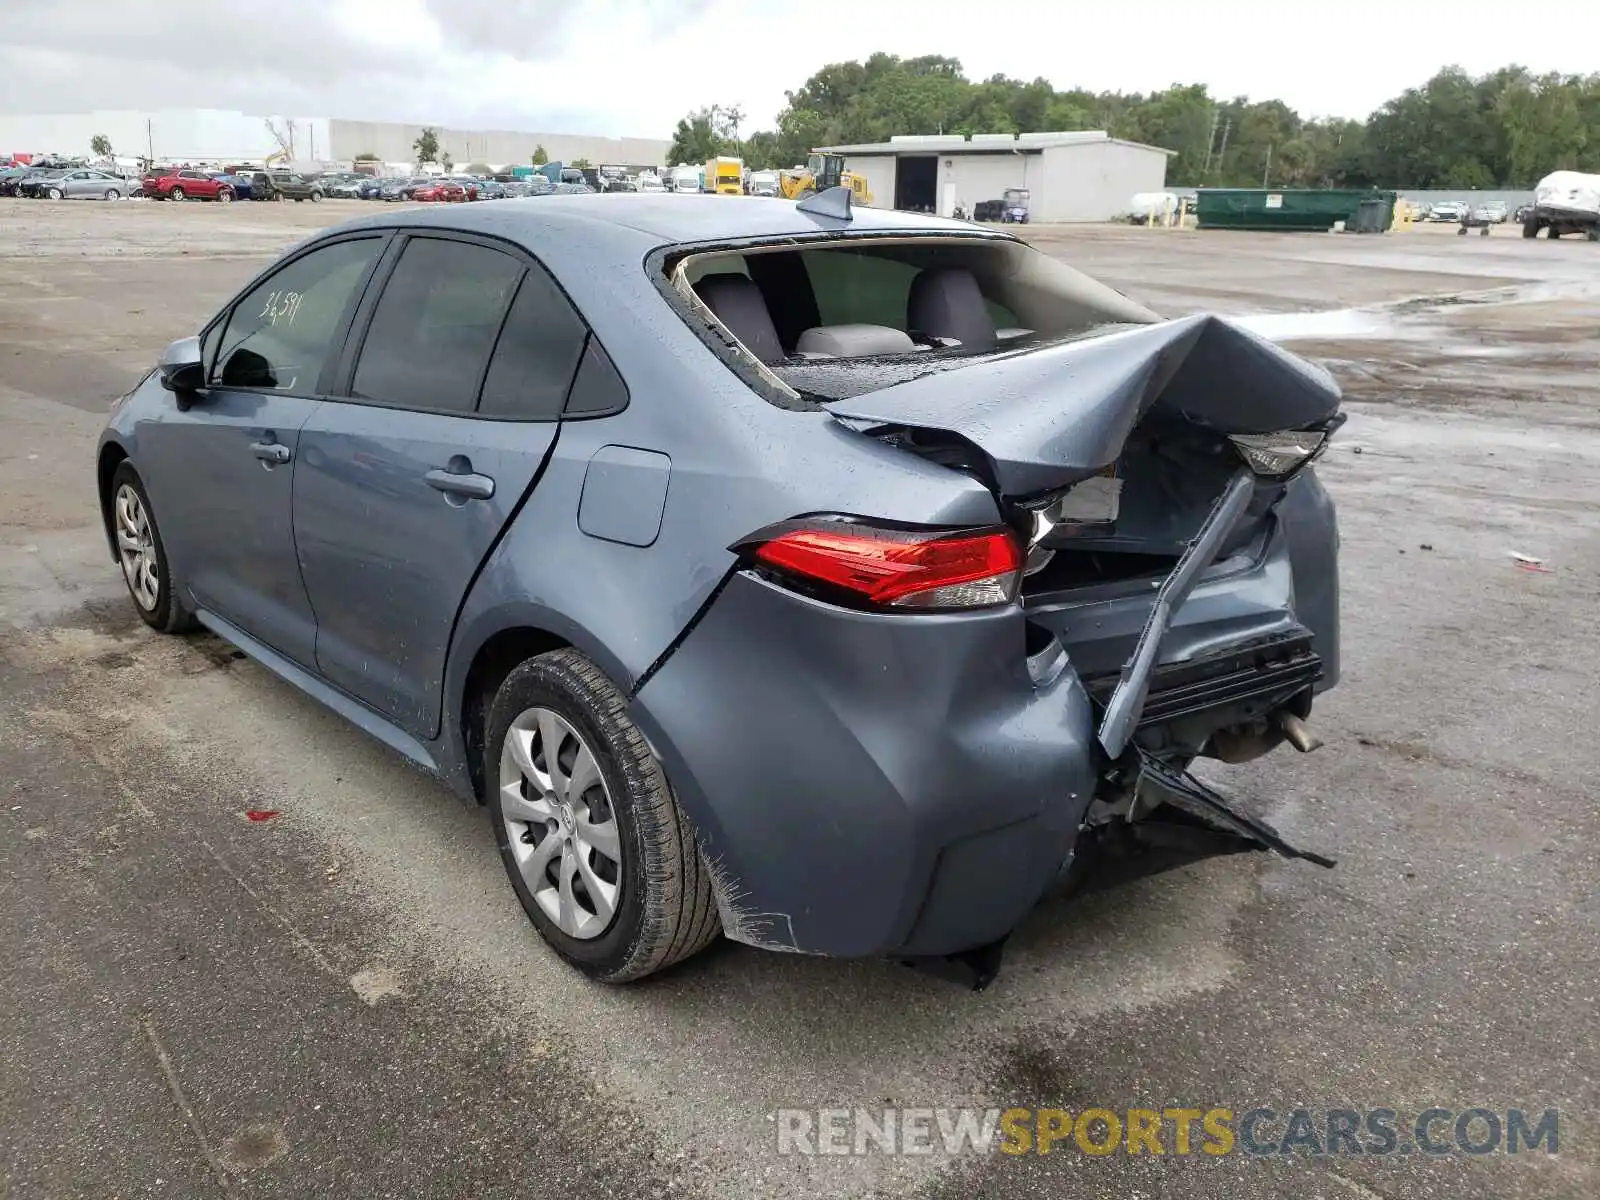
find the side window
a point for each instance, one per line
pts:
(433, 330)
(280, 334)
(536, 355)
(854, 288)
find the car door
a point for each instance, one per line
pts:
(220, 468)
(72, 185)
(403, 488)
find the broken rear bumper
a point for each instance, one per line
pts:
(868, 784)
(864, 784)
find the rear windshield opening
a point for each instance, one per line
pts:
(833, 320)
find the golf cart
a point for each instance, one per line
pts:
(1014, 206)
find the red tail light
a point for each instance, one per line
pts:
(896, 568)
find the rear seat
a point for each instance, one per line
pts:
(738, 304)
(946, 302)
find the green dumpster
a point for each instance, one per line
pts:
(1294, 210)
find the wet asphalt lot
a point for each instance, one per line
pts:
(346, 1000)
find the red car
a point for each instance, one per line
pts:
(444, 193)
(186, 185)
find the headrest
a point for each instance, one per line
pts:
(739, 305)
(946, 302)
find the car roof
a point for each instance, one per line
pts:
(632, 217)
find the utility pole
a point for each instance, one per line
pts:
(1265, 174)
(1222, 154)
(150, 138)
(1211, 142)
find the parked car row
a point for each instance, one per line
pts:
(1490, 212)
(181, 184)
(66, 183)
(225, 187)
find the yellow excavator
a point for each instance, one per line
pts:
(821, 172)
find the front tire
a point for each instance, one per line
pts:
(143, 556)
(113, 194)
(601, 857)
(224, 196)
(316, 197)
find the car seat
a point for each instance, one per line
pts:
(946, 302)
(738, 304)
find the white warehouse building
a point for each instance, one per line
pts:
(1083, 176)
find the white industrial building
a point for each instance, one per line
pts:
(1083, 176)
(217, 135)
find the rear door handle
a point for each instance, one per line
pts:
(473, 487)
(271, 452)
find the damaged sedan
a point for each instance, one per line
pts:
(842, 581)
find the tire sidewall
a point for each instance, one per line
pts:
(549, 682)
(168, 615)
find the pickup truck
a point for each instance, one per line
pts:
(1565, 202)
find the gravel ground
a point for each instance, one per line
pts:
(347, 999)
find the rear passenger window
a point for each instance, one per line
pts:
(278, 336)
(537, 353)
(854, 288)
(431, 335)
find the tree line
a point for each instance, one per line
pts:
(1505, 129)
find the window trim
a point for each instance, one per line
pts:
(341, 332)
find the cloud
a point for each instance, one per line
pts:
(632, 67)
(449, 61)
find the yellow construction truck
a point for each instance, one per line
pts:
(724, 176)
(821, 172)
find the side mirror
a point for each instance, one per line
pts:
(182, 370)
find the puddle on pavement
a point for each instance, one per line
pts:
(1419, 319)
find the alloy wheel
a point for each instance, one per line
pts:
(137, 549)
(560, 823)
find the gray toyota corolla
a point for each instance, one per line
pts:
(841, 581)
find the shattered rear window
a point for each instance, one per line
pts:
(827, 320)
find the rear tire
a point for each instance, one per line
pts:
(654, 905)
(1552, 232)
(1530, 228)
(176, 194)
(143, 556)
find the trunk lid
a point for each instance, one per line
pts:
(1043, 420)
(1109, 453)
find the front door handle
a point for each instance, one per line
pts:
(465, 484)
(271, 452)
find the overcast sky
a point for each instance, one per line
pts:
(632, 67)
